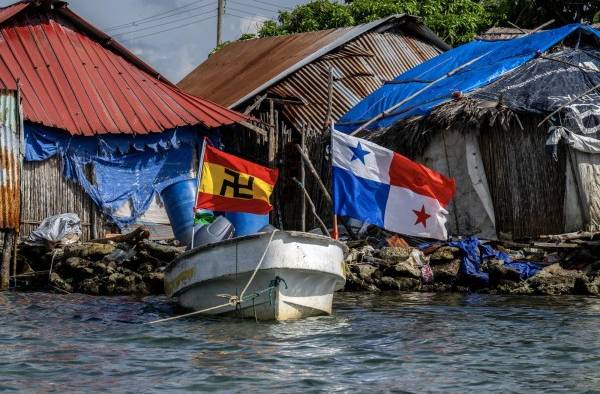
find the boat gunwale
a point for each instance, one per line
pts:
(244, 238)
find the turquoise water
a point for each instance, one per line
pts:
(376, 343)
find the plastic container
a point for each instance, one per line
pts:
(247, 223)
(179, 199)
(217, 231)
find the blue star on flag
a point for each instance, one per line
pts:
(358, 153)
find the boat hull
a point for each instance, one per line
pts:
(297, 277)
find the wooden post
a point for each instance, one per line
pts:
(271, 138)
(303, 179)
(314, 173)
(329, 98)
(9, 237)
(312, 207)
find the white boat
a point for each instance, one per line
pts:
(296, 277)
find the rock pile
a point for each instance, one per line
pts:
(373, 268)
(97, 268)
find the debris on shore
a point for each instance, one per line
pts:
(556, 265)
(131, 265)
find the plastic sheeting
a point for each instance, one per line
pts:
(119, 169)
(475, 253)
(496, 58)
(64, 228)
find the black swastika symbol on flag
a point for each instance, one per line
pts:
(237, 187)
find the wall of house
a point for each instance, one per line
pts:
(527, 186)
(456, 154)
(582, 211)
(45, 192)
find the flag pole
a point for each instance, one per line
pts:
(199, 178)
(335, 233)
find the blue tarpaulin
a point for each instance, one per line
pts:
(475, 253)
(125, 168)
(496, 58)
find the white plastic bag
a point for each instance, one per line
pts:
(64, 228)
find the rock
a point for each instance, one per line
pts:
(76, 268)
(444, 253)
(512, 287)
(401, 284)
(354, 283)
(357, 255)
(394, 255)
(89, 286)
(89, 250)
(555, 280)
(99, 268)
(364, 271)
(154, 282)
(60, 283)
(436, 288)
(164, 253)
(407, 268)
(499, 272)
(447, 271)
(587, 285)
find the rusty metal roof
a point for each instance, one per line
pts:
(75, 77)
(244, 69)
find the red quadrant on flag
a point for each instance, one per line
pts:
(421, 180)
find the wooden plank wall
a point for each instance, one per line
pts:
(46, 193)
(526, 184)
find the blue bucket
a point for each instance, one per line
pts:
(179, 199)
(246, 223)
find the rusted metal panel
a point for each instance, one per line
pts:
(360, 67)
(75, 78)
(9, 160)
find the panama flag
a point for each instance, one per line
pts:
(381, 187)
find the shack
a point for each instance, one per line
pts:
(515, 121)
(297, 83)
(101, 132)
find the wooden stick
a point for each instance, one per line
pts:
(336, 233)
(5, 269)
(415, 94)
(303, 180)
(329, 98)
(516, 27)
(567, 104)
(313, 208)
(540, 27)
(136, 235)
(314, 173)
(256, 103)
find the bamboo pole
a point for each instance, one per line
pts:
(415, 94)
(312, 207)
(303, 179)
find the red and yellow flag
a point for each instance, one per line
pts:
(232, 184)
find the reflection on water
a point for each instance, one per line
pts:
(409, 342)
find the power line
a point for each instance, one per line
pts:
(164, 24)
(244, 12)
(166, 30)
(245, 5)
(134, 24)
(248, 17)
(279, 7)
(171, 12)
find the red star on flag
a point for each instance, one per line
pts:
(422, 216)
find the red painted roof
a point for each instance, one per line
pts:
(75, 77)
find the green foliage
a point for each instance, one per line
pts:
(533, 13)
(456, 21)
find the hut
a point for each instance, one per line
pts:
(297, 83)
(100, 131)
(480, 113)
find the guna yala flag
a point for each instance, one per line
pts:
(229, 183)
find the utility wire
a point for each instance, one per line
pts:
(160, 14)
(246, 12)
(164, 24)
(135, 24)
(248, 17)
(279, 7)
(166, 30)
(252, 6)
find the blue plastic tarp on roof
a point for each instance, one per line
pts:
(494, 59)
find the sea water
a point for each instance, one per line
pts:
(374, 342)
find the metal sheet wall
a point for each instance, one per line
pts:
(9, 160)
(46, 192)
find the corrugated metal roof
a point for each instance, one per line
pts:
(243, 69)
(502, 33)
(76, 78)
(360, 67)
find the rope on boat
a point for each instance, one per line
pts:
(233, 299)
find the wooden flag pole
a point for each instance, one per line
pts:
(199, 178)
(336, 233)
